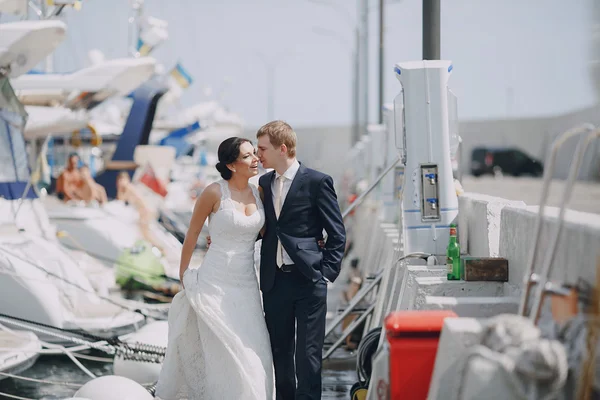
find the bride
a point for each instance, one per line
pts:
(218, 341)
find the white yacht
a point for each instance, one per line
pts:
(39, 281)
(87, 87)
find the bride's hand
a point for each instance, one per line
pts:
(181, 278)
(208, 241)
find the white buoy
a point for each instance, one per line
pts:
(156, 334)
(112, 387)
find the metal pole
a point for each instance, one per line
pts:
(381, 58)
(358, 297)
(365, 62)
(270, 91)
(364, 194)
(355, 65)
(356, 90)
(135, 27)
(351, 328)
(431, 29)
(270, 68)
(49, 60)
(138, 25)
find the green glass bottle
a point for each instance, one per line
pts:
(453, 256)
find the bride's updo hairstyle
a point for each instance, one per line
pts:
(229, 151)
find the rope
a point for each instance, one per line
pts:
(73, 349)
(78, 385)
(135, 305)
(507, 370)
(57, 352)
(92, 358)
(114, 346)
(37, 325)
(12, 396)
(64, 350)
(533, 367)
(75, 285)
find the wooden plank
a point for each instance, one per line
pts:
(489, 269)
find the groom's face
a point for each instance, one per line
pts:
(267, 153)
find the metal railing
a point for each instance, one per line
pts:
(364, 291)
(541, 281)
(355, 324)
(360, 199)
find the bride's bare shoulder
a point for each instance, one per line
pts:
(212, 191)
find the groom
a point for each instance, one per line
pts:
(299, 203)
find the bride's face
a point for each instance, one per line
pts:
(247, 162)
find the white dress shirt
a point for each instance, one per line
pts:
(289, 176)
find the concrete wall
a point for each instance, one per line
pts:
(479, 223)
(491, 226)
(577, 251)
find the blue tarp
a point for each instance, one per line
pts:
(14, 167)
(176, 138)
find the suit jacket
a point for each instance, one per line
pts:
(310, 206)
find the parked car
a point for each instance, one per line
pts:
(509, 161)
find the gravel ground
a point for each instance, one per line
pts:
(586, 195)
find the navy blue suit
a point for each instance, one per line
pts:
(295, 302)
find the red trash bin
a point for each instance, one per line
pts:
(413, 337)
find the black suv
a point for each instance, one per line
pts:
(510, 161)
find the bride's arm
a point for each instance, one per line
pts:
(205, 204)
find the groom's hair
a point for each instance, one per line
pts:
(279, 133)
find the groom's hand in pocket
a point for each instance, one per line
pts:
(321, 243)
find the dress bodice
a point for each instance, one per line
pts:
(231, 230)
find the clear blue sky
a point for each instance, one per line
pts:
(511, 57)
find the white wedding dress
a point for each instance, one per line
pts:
(219, 346)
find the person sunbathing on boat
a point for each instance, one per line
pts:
(70, 180)
(127, 193)
(89, 190)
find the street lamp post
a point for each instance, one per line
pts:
(431, 30)
(359, 114)
(381, 54)
(381, 59)
(364, 12)
(362, 53)
(271, 67)
(355, 62)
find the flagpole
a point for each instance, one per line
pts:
(137, 7)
